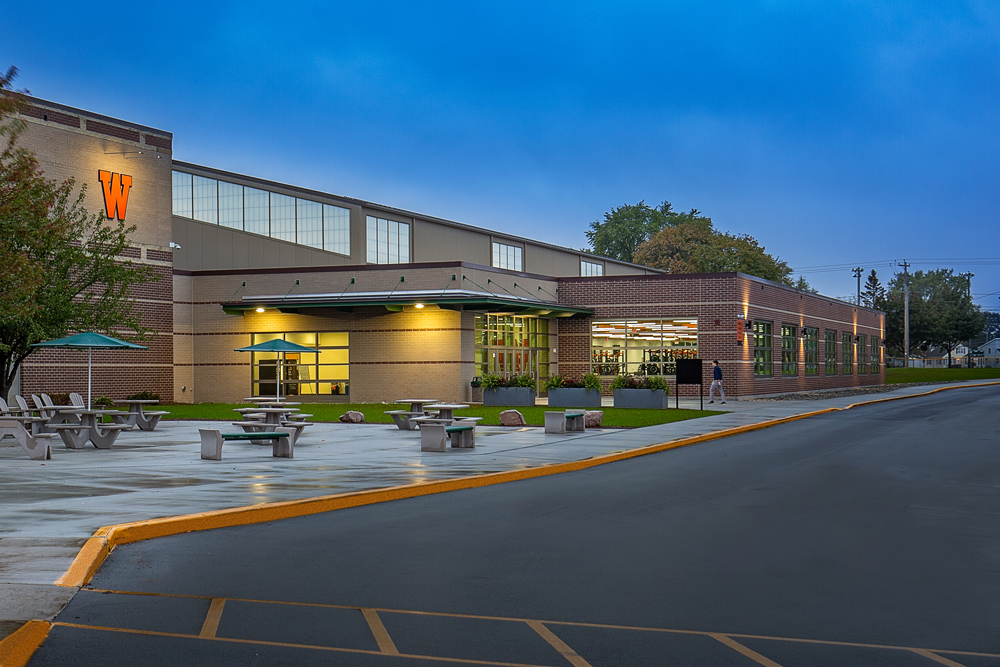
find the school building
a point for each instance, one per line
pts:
(396, 302)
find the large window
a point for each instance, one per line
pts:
(862, 355)
(266, 213)
(830, 352)
(763, 348)
(182, 194)
(789, 350)
(508, 256)
(388, 241)
(847, 352)
(325, 372)
(511, 345)
(642, 347)
(309, 226)
(205, 199)
(876, 355)
(591, 268)
(810, 350)
(230, 205)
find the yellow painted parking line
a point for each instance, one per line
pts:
(558, 644)
(385, 643)
(582, 624)
(260, 642)
(212, 618)
(937, 658)
(736, 646)
(17, 648)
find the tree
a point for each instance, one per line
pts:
(694, 246)
(874, 293)
(63, 269)
(626, 227)
(942, 312)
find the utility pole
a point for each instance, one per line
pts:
(968, 287)
(857, 274)
(906, 314)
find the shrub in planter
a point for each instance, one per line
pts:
(514, 390)
(640, 392)
(564, 393)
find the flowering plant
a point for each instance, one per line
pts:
(491, 381)
(642, 382)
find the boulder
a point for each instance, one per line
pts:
(353, 417)
(511, 418)
(592, 418)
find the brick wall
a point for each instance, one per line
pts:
(716, 300)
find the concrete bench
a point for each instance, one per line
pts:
(212, 439)
(38, 446)
(561, 422)
(433, 436)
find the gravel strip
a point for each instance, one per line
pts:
(840, 393)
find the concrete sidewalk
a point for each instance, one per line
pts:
(50, 508)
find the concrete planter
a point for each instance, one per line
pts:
(649, 399)
(519, 396)
(564, 397)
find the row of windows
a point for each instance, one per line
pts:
(311, 223)
(262, 212)
(388, 241)
(642, 347)
(853, 347)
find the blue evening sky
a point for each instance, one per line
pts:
(837, 133)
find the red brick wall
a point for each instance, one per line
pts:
(716, 300)
(116, 373)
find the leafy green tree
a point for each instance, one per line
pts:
(874, 293)
(942, 312)
(694, 246)
(625, 228)
(62, 266)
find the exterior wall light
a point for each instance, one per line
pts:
(418, 305)
(260, 309)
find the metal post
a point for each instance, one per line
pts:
(90, 352)
(857, 274)
(906, 314)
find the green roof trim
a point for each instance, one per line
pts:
(486, 303)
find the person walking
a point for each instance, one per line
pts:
(716, 383)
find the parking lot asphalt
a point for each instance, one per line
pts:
(51, 508)
(862, 537)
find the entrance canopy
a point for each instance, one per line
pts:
(452, 299)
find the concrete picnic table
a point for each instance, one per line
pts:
(404, 419)
(274, 416)
(76, 435)
(136, 415)
(446, 411)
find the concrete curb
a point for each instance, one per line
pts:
(17, 649)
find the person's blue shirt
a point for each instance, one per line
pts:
(717, 373)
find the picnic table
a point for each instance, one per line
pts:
(445, 411)
(404, 419)
(88, 428)
(136, 415)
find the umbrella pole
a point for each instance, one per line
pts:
(281, 355)
(90, 353)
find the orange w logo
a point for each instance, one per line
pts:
(116, 188)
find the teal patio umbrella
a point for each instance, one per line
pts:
(90, 341)
(281, 347)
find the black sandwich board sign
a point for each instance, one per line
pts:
(689, 372)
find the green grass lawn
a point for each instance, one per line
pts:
(897, 375)
(534, 416)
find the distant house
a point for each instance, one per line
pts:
(937, 357)
(990, 348)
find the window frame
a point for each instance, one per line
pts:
(830, 352)
(763, 348)
(847, 353)
(789, 350)
(810, 350)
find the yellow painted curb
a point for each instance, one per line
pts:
(97, 548)
(16, 649)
